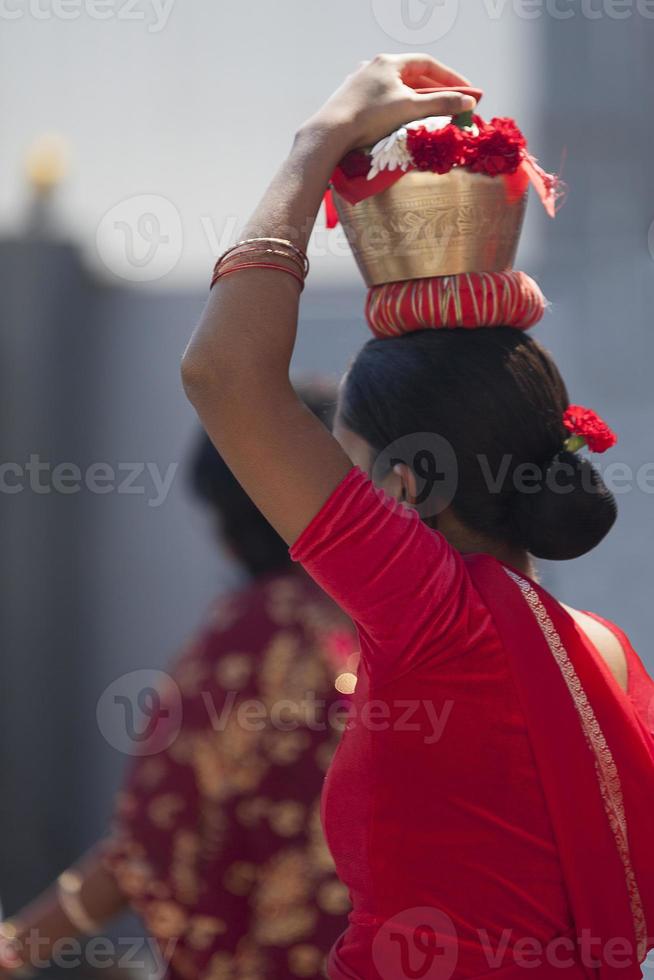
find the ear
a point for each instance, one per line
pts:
(405, 479)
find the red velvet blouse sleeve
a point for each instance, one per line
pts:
(401, 582)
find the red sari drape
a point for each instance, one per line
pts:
(595, 753)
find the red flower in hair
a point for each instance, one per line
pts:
(438, 151)
(499, 148)
(587, 426)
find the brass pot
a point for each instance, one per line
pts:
(434, 225)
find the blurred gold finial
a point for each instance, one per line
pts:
(47, 162)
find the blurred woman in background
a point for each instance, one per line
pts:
(217, 843)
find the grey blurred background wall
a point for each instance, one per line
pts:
(196, 113)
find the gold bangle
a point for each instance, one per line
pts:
(254, 258)
(69, 887)
(251, 253)
(272, 241)
(242, 250)
(275, 241)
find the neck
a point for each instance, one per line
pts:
(468, 542)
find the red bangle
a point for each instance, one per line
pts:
(256, 265)
(297, 252)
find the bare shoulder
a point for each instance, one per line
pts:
(605, 642)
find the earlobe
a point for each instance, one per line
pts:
(393, 485)
(407, 484)
(398, 479)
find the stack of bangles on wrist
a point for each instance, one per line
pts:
(260, 253)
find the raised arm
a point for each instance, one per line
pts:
(236, 367)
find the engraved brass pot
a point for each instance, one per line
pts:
(434, 225)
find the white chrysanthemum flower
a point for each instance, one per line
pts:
(391, 153)
(431, 123)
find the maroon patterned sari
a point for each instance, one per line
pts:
(217, 839)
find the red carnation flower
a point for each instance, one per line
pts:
(481, 125)
(589, 427)
(509, 129)
(355, 164)
(499, 148)
(437, 151)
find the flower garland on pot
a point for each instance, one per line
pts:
(438, 144)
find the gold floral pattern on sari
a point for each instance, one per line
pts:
(607, 771)
(286, 818)
(164, 810)
(305, 960)
(234, 671)
(152, 771)
(333, 898)
(228, 762)
(165, 920)
(184, 866)
(203, 930)
(218, 842)
(240, 877)
(281, 899)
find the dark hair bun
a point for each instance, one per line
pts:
(570, 512)
(496, 396)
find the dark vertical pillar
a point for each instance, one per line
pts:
(47, 351)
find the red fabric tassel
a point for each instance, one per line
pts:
(331, 214)
(549, 187)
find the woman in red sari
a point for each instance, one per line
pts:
(490, 805)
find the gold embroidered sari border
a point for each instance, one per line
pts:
(605, 767)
